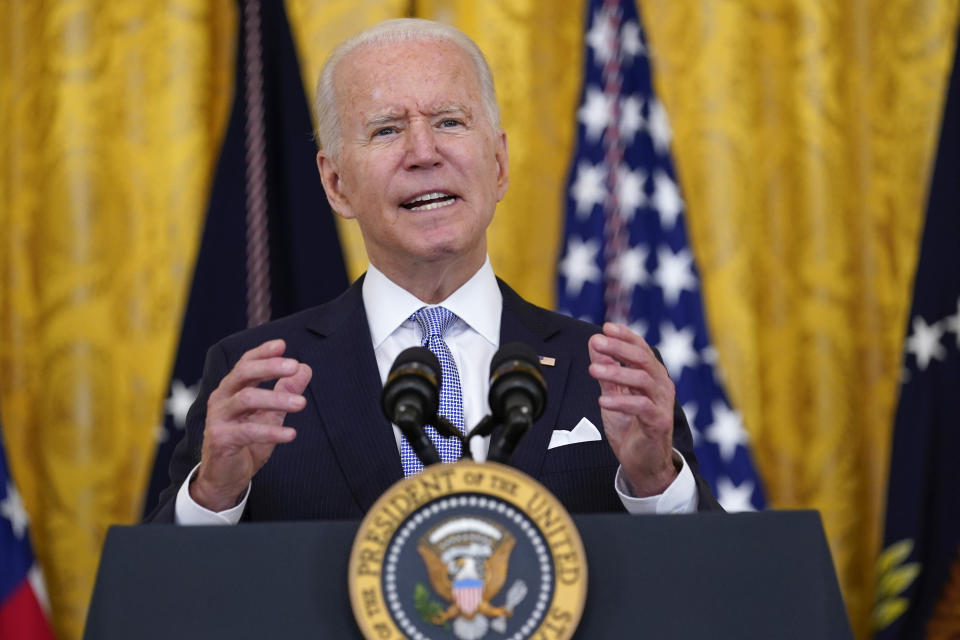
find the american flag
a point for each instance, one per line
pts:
(22, 594)
(625, 254)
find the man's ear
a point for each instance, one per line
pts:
(503, 165)
(333, 185)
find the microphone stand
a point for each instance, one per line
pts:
(516, 426)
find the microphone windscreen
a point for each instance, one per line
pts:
(418, 355)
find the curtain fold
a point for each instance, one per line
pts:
(112, 115)
(804, 139)
(804, 134)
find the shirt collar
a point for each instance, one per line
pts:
(478, 302)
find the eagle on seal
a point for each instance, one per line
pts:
(466, 584)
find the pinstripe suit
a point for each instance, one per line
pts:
(345, 455)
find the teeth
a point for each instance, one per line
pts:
(432, 205)
(432, 200)
(429, 196)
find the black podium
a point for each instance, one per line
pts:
(756, 575)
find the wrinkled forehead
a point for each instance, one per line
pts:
(414, 69)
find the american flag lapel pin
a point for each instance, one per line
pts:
(547, 361)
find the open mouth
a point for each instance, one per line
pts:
(427, 201)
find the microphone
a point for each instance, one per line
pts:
(518, 394)
(411, 397)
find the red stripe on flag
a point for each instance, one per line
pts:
(21, 616)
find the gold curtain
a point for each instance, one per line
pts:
(804, 134)
(804, 137)
(111, 113)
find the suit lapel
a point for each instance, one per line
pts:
(523, 322)
(346, 393)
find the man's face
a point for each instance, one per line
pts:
(421, 168)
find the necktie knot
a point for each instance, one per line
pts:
(434, 321)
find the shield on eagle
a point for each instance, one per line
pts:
(468, 593)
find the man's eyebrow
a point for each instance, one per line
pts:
(450, 108)
(383, 118)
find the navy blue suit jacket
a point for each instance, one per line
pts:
(345, 453)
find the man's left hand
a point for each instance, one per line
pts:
(636, 406)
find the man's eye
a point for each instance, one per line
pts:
(450, 122)
(385, 131)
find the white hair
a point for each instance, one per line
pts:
(388, 32)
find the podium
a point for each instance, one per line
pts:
(752, 575)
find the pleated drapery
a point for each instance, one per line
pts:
(804, 133)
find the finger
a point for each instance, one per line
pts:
(600, 359)
(641, 406)
(622, 345)
(251, 399)
(268, 349)
(296, 383)
(597, 356)
(637, 379)
(244, 434)
(250, 372)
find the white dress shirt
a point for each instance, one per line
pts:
(473, 339)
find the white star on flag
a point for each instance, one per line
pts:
(580, 264)
(630, 43)
(659, 126)
(588, 190)
(179, 402)
(924, 342)
(631, 118)
(676, 348)
(596, 113)
(734, 498)
(629, 267)
(601, 36)
(630, 194)
(638, 326)
(674, 273)
(952, 323)
(726, 431)
(709, 355)
(666, 200)
(12, 509)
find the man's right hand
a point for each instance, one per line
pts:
(244, 423)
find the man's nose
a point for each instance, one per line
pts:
(422, 149)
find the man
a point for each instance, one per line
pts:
(412, 150)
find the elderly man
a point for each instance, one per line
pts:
(413, 151)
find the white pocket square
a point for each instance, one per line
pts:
(583, 432)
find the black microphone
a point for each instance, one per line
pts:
(411, 397)
(518, 394)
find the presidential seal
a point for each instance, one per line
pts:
(468, 551)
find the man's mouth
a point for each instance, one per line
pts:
(427, 201)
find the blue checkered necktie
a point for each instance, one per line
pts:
(434, 321)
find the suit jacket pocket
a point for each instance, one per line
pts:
(580, 455)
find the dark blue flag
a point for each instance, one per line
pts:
(625, 255)
(918, 574)
(270, 245)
